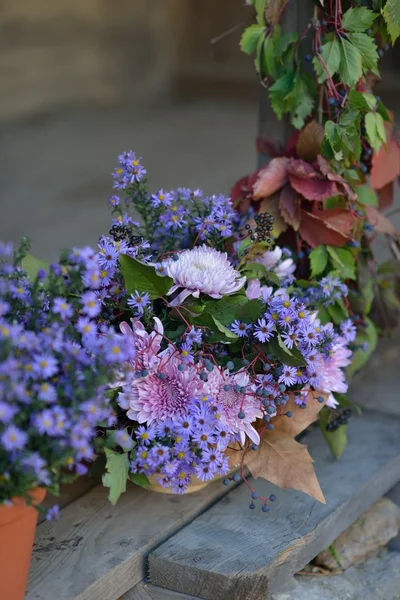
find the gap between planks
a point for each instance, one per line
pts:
(97, 551)
(233, 553)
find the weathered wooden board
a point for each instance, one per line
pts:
(233, 553)
(146, 591)
(97, 551)
(69, 493)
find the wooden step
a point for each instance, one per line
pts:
(233, 553)
(98, 552)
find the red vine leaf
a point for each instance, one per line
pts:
(338, 219)
(269, 147)
(385, 165)
(386, 196)
(271, 178)
(380, 223)
(309, 142)
(308, 182)
(242, 192)
(343, 186)
(289, 207)
(315, 232)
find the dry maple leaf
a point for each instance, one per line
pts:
(308, 145)
(380, 223)
(286, 463)
(282, 460)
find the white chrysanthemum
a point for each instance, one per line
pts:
(202, 270)
(272, 261)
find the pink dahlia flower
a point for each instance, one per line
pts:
(233, 403)
(164, 394)
(202, 270)
(330, 372)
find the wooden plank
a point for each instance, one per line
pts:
(233, 553)
(146, 591)
(97, 552)
(69, 493)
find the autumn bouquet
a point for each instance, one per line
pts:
(229, 364)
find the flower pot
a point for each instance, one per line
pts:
(17, 532)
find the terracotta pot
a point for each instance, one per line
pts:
(17, 532)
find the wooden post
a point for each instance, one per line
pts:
(296, 17)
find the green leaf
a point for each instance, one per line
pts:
(255, 270)
(140, 479)
(272, 277)
(32, 265)
(293, 357)
(361, 356)
(330, 54)
(117, 467)
(350, 63)
(391, 14)
(368, 50)
(143, 278)
(375, 128)
(267, 64)
(222, 329)
(318, 260)
(284, 42)
(359, 101)
(244, 244)
(260, 11)
(366, 196)
(250, 37)
(250, 311)
(381, 109)
(338, 312)
(225, 309)
(220, 332)
(358, 19)
(336, 440)
(323, 315)
(343, 261)
(284, 85)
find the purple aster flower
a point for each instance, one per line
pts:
(114, 201)
(4, 307)
(241, 329)
(62, 308)
(289, 375)
(91, 304)
(47, 392)
(45, 365)
(123, 439)
(108, 253)
(194, 336)
(186, 354)
(139, 301)
(6, 412)
(264, 330)
(309, 335)
(92, 278)
(161, 199)
(6, 249)
(44, 422)
(158, 455)
(205, 471)
(86, 327)
(175, 218)
(290, 338)
(348, 330)
(212, 456)
(53, 514)
(145, 434)
(185, 425)
(13, 438)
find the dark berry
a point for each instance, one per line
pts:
(226, 482)
(254, 495)
(272, 497)
(241, 415)
(252, 505)
(289, 414)
(175, 257)
(265, 508)
(230, 365)
(308, 57)
(320, 399)
(270, 427)
(236, 477)
(331, 101)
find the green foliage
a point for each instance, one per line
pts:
(292, 357)
(342, 140)
(250, 37)
(336, 440)
(143, 278)
(227, 308)
(31, 265)
(366, 196)
(391, 14)
(293, 93)
(331, 55)
(250, 311)
(338, 312)
(140, 479)
(117, 467)
(351, 65)
(358, 19)
(368, 51)
(318, 260)
(375, 127)
(361, 355)
(343, 262)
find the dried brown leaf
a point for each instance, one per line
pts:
(272, 10)
(309, 142)
(289, 207)
(302, 417)
(286, 463)
(380, 223)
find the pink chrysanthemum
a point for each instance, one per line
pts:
(330, 372)
(147, 345)
(202, 270)
(233, 403)
(163, 394)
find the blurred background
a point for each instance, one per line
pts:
(84, 80)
